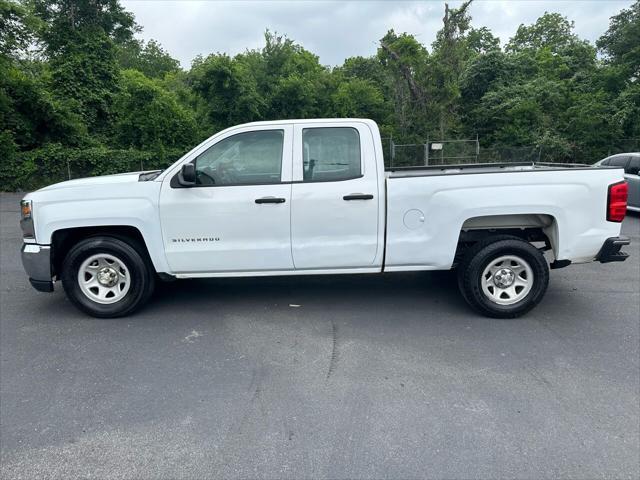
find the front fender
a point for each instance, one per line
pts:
(132, 205)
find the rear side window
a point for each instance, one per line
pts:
(620, 161)
(330, 154)
(633, 167)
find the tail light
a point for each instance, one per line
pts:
(617, 202)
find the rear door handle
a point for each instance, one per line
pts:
(358, 196)
(270, 200)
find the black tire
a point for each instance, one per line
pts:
(142, 276)
(470, 272)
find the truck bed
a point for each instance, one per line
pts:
(428, 207)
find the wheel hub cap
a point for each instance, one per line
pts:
(104, 278)
(108, 277)
(504, 278)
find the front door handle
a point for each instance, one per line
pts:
(270, 200)
(358, 196)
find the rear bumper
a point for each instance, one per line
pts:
(36, 260)
(610, 251)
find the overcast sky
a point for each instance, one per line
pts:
(337, 30)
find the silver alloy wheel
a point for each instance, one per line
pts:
(507, 280)
(104, 278)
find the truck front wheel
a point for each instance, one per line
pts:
(503, 277)
(106, 277)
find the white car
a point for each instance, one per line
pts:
(301, 197)
(631, 164)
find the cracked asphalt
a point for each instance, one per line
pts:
(322, 377)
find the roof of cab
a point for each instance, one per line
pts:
(305, 120)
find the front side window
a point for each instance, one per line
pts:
(244, 159)
(330, 154)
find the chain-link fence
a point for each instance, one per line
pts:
(623, 145)
(441, 152)
(460, 152)
(509, 155)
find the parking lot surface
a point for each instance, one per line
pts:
(322, 377)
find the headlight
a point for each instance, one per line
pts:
(26, 220)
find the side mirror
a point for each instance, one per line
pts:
(187, 175)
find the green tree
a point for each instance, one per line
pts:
(551, 30)
(281, 80)
(547, 89)
(626, 112)
(621, 42)
(451, 52)
(363, 68)
(481, 40)
(17, 27)
(31, 116)
(78, 38)
(405, 60)
(483, 73)
(149, 117)
(150, 59)
(288, 77)
(64, 20)
(227, 91)
(359, 98)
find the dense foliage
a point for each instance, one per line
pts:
(80, 95)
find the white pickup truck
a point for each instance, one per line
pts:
(302, 197)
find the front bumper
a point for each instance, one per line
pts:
(610, 251)
(36, 260)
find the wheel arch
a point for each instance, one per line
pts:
(62, 240)
(531, 227)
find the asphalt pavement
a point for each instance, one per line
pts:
(379, 376)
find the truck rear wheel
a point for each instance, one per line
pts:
(503, 277)
(107, 277)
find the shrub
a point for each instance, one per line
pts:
(54, 163)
